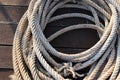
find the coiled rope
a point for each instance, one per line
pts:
(32, 51)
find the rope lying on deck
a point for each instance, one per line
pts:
(32, 51)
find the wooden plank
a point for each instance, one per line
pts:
(7, 33)
(6, 55)
(11, 13)
(15, 2)
(83, 38)
(5, 73)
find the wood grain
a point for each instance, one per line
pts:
(5, 56)
(11, 14)
(7, 33)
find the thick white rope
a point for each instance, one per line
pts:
(32, 50)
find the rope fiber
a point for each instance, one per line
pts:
(32, 51)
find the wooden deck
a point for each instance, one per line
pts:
(10, 14)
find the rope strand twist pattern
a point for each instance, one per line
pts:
(32, 51)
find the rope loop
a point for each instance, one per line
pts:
(33, 54)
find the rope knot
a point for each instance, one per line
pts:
(67, 70)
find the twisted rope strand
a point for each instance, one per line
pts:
(32, 51)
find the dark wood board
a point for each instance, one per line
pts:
(7, 33)
(5, 73)
(6, 57)
(11, 14)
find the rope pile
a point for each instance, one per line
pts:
(32, 51)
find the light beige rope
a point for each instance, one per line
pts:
(32, 51)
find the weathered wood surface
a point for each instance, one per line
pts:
(11, 14)
(7, 33)
(6, 57)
